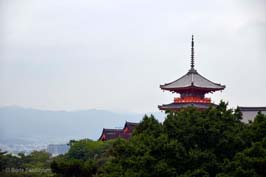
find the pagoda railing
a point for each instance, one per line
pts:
(192, 100)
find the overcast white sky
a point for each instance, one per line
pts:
(114, 54)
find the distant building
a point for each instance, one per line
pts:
(249, 113)
(126, 132)
(57, 149)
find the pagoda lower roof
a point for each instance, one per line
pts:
(192, 80)
(178, 106)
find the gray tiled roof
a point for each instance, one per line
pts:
(192, 79)
(253, 108)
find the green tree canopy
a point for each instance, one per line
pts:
(191, 142)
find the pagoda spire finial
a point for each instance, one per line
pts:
(192, 52)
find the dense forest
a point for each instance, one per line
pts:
(189, 143)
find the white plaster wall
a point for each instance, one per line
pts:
(250, 115)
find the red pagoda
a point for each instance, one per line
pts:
(192, 88)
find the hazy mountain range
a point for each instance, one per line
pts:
(26, 125)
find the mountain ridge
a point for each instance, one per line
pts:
(38, 125)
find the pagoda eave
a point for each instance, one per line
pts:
(189, 88)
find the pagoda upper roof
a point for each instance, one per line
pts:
(192, 80)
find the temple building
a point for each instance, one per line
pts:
(192, 88)
(126, 132)
(249, 113)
